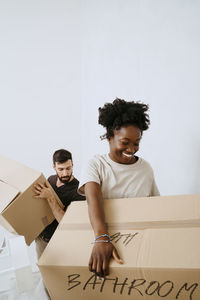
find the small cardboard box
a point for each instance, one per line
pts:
(157, 238)
(20, 213)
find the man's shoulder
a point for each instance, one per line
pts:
(52, 180)
(75, 181)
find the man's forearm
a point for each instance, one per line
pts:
(57, 211)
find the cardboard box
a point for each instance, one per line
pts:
(20, 213)
(161, 255)
(147, 212)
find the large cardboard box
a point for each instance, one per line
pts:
(20, 213)
(147, 212)
(157, 238)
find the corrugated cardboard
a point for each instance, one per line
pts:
(142, 212)
(20, 212)
(161, 255)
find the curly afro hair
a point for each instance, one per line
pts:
(122, 113)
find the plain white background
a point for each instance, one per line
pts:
(61, 60)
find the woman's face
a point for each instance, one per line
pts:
(124, 144)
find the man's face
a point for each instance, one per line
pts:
(64, 170)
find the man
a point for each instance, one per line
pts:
(65, 185)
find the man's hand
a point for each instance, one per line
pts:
(42, 191)
(100, 257)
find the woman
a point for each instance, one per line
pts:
(119, 174)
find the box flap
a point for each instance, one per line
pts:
(17, 174)
(7, 194)
(170, 248)
(166, 248)
(162, 211)
(4, 223)
(79, 246)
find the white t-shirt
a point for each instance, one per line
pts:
(119, 180)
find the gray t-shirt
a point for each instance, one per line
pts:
(119, 180)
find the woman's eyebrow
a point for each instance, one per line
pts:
(125, 138)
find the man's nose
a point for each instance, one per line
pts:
(65, 173)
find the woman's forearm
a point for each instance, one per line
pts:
(95, 208)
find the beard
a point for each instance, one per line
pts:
(65, 179)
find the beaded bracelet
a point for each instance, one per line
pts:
(102, 241)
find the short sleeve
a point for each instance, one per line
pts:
(90, 173)
(154, 189)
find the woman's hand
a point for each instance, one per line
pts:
(102, 251)
(99, 260)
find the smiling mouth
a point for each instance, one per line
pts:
(128, 155)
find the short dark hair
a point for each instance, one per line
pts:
(122, 113)
(61, 156)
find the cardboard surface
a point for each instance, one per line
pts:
(16, 174)
(141, 212)
(20, 212)
(159, 262)
(8, 194)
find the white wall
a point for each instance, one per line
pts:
(61, 60)
(39, 80)
(149, 51)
